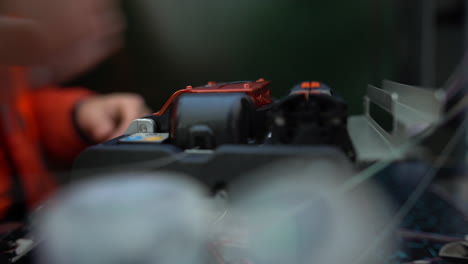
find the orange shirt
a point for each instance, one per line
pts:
(34, 124)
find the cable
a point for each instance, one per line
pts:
(419, 190)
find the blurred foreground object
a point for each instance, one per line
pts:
(296, 211)
(59, 38)
(292, 212)
(131, 218)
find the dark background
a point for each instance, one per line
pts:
(346, 44)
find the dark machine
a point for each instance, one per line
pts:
(219, 131)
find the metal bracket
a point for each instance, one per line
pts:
(141, 125)
(412, 110)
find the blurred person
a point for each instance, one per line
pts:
(43, 43)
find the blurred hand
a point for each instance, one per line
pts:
(65, 37)
(104, 117)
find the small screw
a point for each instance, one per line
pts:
(142, 128)
(279, 121)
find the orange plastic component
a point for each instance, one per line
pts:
(211, 83)
(305, 85)
(314, 85)
(258, 91)
(310, 85)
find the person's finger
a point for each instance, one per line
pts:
(102, 129)
(127, 115)
(123, 126)
(146, 111)
(130, 108)
(97, 124)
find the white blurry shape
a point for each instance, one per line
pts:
(126, 219)
(295, 213)
(290, 212)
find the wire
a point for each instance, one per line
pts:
(416, 194)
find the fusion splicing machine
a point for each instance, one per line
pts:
(219, 131)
